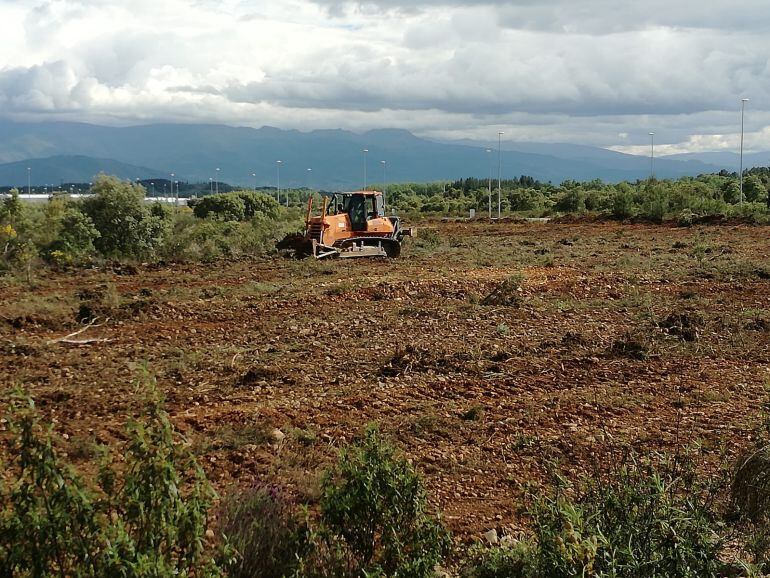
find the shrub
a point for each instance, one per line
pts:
(598, 200)
(655, 203)
(428, 238)
(755, 212)
(571, 201)
(643, 520)
(750, 490)
(12, 210)
(237, 206)
(508, 560)
(751, 496)
(265, 532)
(193, 239)
(622, 203)
(525, 199)
(147, 519)
(127, 228)
(224, 207)
(373, 504)
(506, 293)
(259, 204)
(74, 241)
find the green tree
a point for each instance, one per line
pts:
(754, 189)
(731, 191)
(224, 207)
(12, 210)
(655, 202)
(127, 228)
(623, 201)
(573, 200)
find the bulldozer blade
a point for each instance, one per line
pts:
(321, 251)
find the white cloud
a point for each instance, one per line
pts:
(595, 72)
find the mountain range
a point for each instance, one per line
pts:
(321, 159)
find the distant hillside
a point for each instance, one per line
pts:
(335, 157)
(729, 161)
(68, 169)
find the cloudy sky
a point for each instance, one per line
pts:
(599, 72)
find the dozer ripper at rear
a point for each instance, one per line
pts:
(351, 225)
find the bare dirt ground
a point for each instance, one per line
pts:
(643, 336)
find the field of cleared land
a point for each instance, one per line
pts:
(616, 335)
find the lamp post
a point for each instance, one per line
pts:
(211, 186)
(499, 170)
(171, 182)
(255, 180)
(743, 108)
(151, 185)
(365, 151)
(307, 177)
(216, 185)
(29, 180)
(384, 185)
(176, 197)
(652, 156)
(489, 185)
(278, 164)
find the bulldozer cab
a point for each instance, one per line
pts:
(360, 208)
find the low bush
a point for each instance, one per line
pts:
(193, 239)
(267, 536)
(236, 206)
(655, 203)
(374, 516)
(507, 560)
(643, 520)
(74, 239)
(506, 293)
(147, 518)
(428, 238)
(622, 203)
(571, 201)
(750, 491)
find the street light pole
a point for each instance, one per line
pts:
(652, 156)
(384, 185)
(499, 170)
(255, 180)
(29, 180)
(211, 186)
(217, 182)
(365, 151)
(171, 182)
(278, 180)
(743, 108)
(307, 177)
(489, 185)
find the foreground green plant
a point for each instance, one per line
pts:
(267, 535)
(646, 520)
(148, 517)
(374, 501)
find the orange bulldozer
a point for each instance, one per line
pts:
(350, 225)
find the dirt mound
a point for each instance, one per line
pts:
(507, 293)
(630, 345)
(686, 325)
